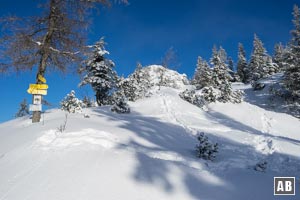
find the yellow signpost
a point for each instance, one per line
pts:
(38, 86)
(37, 91)
(41, 78)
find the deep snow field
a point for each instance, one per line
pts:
(149, 154)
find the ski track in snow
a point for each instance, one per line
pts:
(174, 116)
(264, 145)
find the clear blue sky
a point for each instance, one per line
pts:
(145, 29)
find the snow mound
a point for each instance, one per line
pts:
(170, 78)
(53, 139)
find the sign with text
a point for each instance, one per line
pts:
(37, 91)
(37, 99)
(38, 86)
(284, 185)
(33, 107)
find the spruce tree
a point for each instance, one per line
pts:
(242, 68)
(203, 74)
(100, 74)
(278, 56)
(258, 60)
(71, 104)
(230, 64)
(220, 75)
(292, 73)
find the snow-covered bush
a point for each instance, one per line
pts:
(261, 166)
(192, 97)
(71, 104)
(120, 103)
(210, 94)
(206, 149)
(257, 85)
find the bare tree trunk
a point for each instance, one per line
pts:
(45, 52)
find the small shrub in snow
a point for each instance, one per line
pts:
(210, 94)
(23, 110)
(120, 103)
(88, 102)
(192, 97)
(63, 126)
(257, 85)
(261, 166)
(71, 104)
(206, 149)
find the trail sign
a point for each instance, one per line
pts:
(37, 91)
(37, 99)
(38, 86)
(41, 78)
(33, 107)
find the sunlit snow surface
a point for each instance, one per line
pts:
(149, 153)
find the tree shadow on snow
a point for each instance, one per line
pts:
(165, 147)
(264, 99)
(230, 122)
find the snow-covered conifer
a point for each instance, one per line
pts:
(71, 104)
(242, 68)
(260, 65)
(100, 73)
(220, 76)
(292, 71)
(120, 103)
(206, 149)
(279, 56)
(192, 97)
(137, 85)
(230, 64)
(203, 74)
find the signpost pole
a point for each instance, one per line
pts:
(37, 90)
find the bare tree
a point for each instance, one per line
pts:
(53, 40)
(170, 59)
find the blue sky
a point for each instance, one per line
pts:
(145, 29)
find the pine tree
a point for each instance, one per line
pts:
(203, 74)
(220, 75)
(230, 64)
(218, 61)
(242, 68)
(278, 56)
(120, 102)
(23, 110)
(100, 74)
(260, 64)
(292, 73)
(230, 69)
(137, 85)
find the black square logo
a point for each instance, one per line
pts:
(284, 185)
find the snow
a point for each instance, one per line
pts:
(150, 153)
(170, 77)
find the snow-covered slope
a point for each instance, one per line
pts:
(149, 153)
